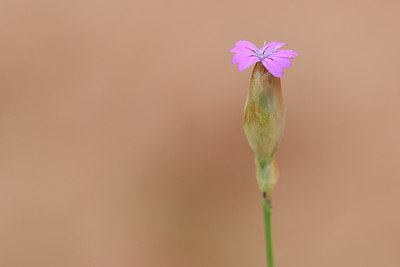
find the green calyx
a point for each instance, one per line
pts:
(264, 121)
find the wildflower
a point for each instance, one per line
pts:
(264, 115)
(274, 60)
(264, 112)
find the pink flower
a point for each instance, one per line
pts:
(274, 60)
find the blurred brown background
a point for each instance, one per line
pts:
(121, 140)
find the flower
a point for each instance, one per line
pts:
(274, 60)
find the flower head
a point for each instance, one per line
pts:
(274, 60)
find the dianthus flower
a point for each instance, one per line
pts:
(274, 60)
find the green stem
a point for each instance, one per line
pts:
(267, 214)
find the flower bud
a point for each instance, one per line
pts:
(264, 122)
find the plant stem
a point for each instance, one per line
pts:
(267, 214)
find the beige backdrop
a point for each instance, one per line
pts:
(121, 141)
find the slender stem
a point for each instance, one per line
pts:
(267, 214)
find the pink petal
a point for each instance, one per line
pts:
(242, 54)
(246, 62)
(273, 67)
(271, 45)
(283, 61)
(285, 53)
(242, 46)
